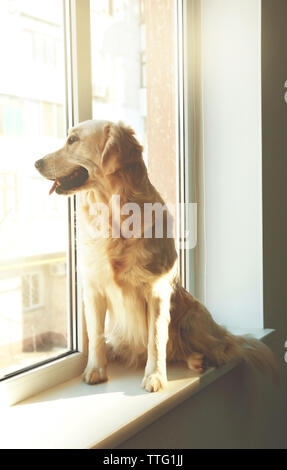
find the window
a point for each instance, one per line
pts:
(31, 291)
(12, 119)
(56, 87)
(34, 230)
(35, 117)
(8, 194)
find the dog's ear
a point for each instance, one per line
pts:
(110, 159)
(121, 148)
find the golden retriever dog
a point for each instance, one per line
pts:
(152, 319)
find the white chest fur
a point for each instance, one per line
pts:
(126, 325)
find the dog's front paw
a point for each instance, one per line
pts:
(153, 382)
(95, 375)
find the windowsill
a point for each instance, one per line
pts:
(75, 415)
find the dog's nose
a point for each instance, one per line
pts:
(38, 164)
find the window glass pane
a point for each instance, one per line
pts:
(33, 226)
(134, 78)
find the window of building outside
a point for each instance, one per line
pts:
(134, 80)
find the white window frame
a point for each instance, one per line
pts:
(79, 108)
(188, 128)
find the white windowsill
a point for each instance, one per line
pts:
(75, 415)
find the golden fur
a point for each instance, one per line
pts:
(151, 317)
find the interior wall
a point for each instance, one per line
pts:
(231, 197)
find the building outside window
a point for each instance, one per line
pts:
(33, 229)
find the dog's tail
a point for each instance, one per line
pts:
(200, 333)
(254, 352)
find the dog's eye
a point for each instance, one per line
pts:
(72, 139)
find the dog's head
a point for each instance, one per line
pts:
(94, 150)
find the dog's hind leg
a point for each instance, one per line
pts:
(195, 362)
